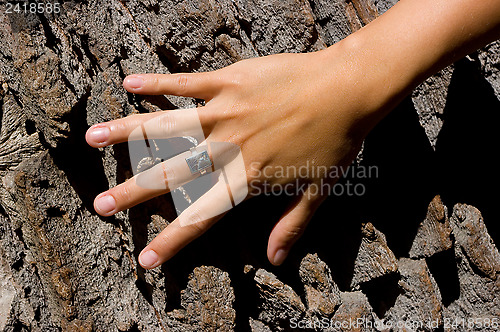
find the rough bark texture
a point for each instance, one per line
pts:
(433, 235)
(386, 257)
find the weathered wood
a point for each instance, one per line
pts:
(63, 267)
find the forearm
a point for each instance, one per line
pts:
(413, 40)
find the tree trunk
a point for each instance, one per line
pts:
(387, 256)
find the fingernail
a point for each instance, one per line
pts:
(105, 204)
(279, 256)
(148, 259)
(99, 134)
(134, 82)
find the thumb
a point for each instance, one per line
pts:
(290, 227)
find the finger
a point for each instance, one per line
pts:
(171, 173)
(174, 172)
(146, 185)
(188, 165)
(290, 227)
(192, 222)
(174, 123)
(228, 157)
(197, 85)
(212, 203)
(124, 196)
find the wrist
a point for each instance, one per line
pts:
(370, 81)
(397, 51)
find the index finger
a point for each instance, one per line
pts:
(197, 85)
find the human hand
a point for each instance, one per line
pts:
(286, 111)
(293, 110)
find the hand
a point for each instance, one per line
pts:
(292, 110)
(286, 111)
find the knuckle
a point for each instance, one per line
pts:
(292, 232)
(194, 219)
(119, 127)
(155, 82)
(240, 74)
(197, 228)
(168, 175)
(123, 195)
(167, 123)
(182, 82)
(236, 80)
(164, 242)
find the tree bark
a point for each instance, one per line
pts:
(63, 267)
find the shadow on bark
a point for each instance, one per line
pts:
(466, 145)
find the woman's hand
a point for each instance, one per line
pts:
(295, 110)
(287, 111)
